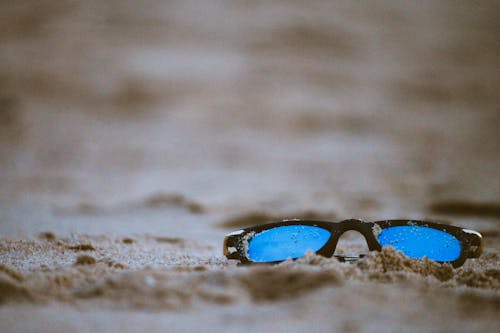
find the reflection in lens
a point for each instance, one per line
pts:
(285, 242)
(418, 242)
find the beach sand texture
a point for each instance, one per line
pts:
(135, 135)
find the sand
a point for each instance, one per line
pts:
(133, 137)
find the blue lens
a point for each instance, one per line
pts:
(418, 242)
(285, 242)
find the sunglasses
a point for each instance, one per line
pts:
(278, 241)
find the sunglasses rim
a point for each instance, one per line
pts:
(470, 240)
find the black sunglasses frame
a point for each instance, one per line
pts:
(236, 243)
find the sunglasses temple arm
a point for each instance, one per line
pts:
(229, 247)
(475, 240)
(474, 243)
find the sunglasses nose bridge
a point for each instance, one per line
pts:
(364, 228)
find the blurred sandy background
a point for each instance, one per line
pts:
(147, 130)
